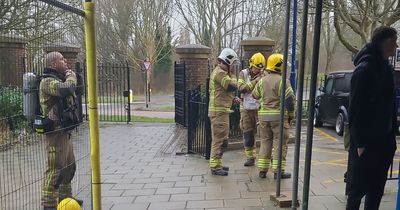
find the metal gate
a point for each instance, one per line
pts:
(199, 128)
(113, 95)
(180, 95)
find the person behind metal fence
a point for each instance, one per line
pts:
(248, 78)
(60, 86)
(222, 87)
(372, 120)
(268, 91)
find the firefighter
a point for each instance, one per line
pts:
(268, 91)
(61, 165)
(248, 78)
(222, 88)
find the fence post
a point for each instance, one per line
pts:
(208, 123)
(85, 91)
(189, 125)
(129, 93)
(90, 38)
(79, 90)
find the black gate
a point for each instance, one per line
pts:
(180, 97)
(113, 93)
(199, 128)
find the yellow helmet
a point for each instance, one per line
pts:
(68, 204)
(257, 60)
(275, 63)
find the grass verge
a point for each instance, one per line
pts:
(123, 118)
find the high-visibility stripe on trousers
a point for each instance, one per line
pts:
(263, 164)
(60, 168)
(219, 133)
(269, 139)
(275, 165)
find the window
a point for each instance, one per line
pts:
(342, 84)
(329, 86)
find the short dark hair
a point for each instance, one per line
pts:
(380, 34)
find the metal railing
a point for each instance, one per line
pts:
(199, 128)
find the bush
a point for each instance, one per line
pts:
(11, 107)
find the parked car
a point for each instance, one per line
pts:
(333, 102)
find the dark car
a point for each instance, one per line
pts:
(332, 104)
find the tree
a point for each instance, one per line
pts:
(211, 21)
(329, 39)
(362, 17)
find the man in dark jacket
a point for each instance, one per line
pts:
(372, 120)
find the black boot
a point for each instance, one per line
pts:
(249, 162)
(219, 172)
(225, 168)
(284, 175)
(262, 174)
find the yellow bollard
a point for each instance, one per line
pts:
(130, 96)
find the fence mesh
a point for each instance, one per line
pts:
(29, 29)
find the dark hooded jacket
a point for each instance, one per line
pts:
(372, 113)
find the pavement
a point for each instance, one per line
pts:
(141, 171)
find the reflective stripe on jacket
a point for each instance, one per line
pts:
(268, 91)
(221, 91)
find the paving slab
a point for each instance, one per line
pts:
(141, 172)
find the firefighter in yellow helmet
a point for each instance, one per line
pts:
(222, 88)
(248, 78)
(268, 90)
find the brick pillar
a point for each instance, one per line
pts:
(254, 45)
(196, 59)
(69, 51)
(12, 60)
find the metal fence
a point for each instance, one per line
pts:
(199, 127)
(114, 102)
(31, 30)
(306, 93)
(180, 94)
(23, 154)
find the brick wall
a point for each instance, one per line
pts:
(196, 59)
(254, 45)
(12, 60)
(197, 72)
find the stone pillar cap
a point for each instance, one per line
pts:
(8, 38)
(257, 41)
(193, 49)
(62, 47)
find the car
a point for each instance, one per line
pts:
(332, 104)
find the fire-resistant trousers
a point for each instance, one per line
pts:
(248, 124)
(60, 168)
(269, 139)
(219, 132)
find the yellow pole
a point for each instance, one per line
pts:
(90, 38)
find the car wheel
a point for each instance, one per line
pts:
(339, 124)
(317, 119)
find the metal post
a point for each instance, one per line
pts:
(283, 94)
(313, 88)
(129, 89)
(294, 34)
(147, 89)
(90, 39)
(79, 90)
(85, 86)
(299, 114)
(208, 123)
